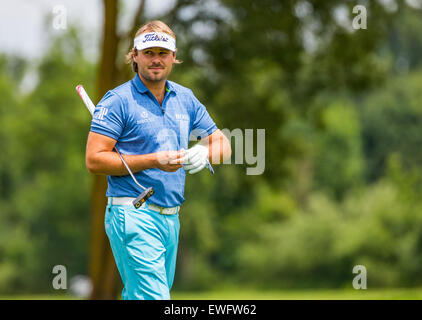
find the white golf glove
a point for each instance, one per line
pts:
(196, 158)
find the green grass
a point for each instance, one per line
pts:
(38, 297)
(374, 294)
(242, 294)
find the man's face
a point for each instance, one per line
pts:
(154, 64)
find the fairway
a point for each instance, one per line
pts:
(375, 294)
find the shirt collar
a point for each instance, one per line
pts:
(169, 87)
(139, 85)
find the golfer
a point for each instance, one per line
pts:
(150, 119)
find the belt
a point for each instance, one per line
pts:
(128, 201)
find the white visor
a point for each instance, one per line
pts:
(155, 39)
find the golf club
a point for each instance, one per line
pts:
(148, 192)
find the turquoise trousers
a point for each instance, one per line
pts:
(144, 244)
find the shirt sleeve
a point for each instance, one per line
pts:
(108, 118)
(203, 125)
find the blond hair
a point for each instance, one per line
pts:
(151, 26)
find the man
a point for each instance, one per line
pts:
(150, 120)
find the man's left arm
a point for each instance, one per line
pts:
(218, 145)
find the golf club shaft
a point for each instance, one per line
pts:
(91, 107)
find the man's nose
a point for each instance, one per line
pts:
(156, 59)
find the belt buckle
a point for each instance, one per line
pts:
(161, 210)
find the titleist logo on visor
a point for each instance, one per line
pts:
(155, 39)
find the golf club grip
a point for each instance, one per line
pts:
(85, 98)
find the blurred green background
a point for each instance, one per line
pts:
(342, 113)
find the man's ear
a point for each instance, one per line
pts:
(174, 55)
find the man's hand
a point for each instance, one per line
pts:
(170, 161)
(195, 159)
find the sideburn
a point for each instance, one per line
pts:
(134, 64)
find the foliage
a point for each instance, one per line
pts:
(342, 180)
(44, 184)
(391, 119)
(378, 227)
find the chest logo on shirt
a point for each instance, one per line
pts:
(180, 116)
(145, 118)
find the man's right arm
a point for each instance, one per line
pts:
(101, 159)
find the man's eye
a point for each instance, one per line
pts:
(163, 53)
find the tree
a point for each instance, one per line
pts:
(111, 72)
(102, 268)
